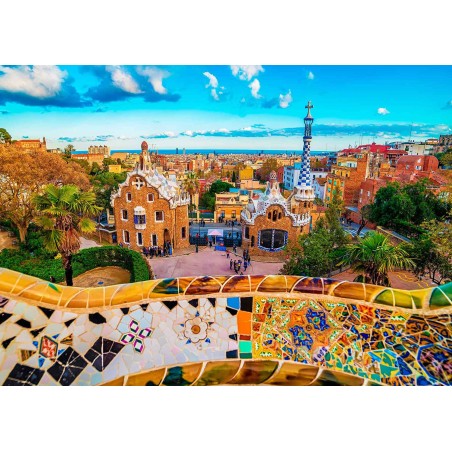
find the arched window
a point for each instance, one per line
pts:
(247, 232)
(279, 215)
(269, 216)
(274, 215)
(272, 239)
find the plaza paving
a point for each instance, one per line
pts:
(207, 262)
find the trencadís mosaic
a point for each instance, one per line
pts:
(280, 330)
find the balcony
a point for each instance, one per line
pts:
(277, 330)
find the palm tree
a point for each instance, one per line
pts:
(191, 186)
(374, 257)
(64, 212)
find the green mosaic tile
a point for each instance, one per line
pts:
(385, 297)
(439, 299)
(245, 346)
(403, 299)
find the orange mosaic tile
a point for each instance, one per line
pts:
(244, 323)
(237, 284)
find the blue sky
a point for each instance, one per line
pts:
(224, 107)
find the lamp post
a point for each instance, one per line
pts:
(232, 233)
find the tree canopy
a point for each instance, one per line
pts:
(267, 167)
(208, 198)
(64, 213)
(432, 251)
(24, 174)
(5, 137)
(374, 256)
(317, 253)
(396, 205)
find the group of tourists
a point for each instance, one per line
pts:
(158, 251)
(237, 264)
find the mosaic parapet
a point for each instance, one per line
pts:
(275, 330)
(43, 292)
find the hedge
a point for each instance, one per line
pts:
(83, 261)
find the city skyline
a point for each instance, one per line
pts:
(224, 107)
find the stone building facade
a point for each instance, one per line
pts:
(32, 145)
(271, 221)
(105, 150)
(149, 209)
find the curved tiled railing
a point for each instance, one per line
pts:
(275, 329)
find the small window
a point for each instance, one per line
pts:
(184, 233)
(150, 197)
(274, 215)
(233, 214)
(139, 239)
(247, 232)
(154, 239)
(269, 216)
(279, 215)
(126, 236)
(139, 219)
(129, 197)
(159, 216)
(124, 214)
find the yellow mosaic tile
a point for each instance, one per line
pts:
(218, 372)
(330, 378)
(152, 378)
(294, 374)
(273, 283)
(255, 372)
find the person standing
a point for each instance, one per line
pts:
(227, 254)
(245, 264)
(230, 264)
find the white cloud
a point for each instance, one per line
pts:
(383, 111)
(37, 81)
(213, 83)
(213, 93)
(255, 87)
(285, 99)
(310, 76)
(123, 80)
(188, 133)
(155, 78)
(246, 72)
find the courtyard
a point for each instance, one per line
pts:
(207, 262)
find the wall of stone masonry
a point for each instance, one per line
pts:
(174, 219)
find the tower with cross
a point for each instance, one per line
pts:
(303, 189)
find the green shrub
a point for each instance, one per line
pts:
(43, 266)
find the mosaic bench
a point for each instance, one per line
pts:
(273, 330)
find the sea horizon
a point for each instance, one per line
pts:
(217, 151)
